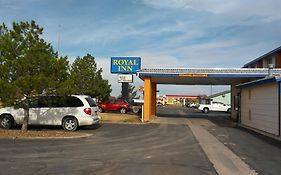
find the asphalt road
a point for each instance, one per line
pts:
(113, 149)
(261, 153)
(165, 147)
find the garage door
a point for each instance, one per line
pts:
(259, 107)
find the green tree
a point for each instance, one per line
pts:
(132, 93)
(29, 66)
(87, 78)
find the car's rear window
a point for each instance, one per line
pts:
(72, 102)
(91, 102)
(57, 102)
(121, 100)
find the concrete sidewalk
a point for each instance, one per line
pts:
(261, 153)
(223, 159)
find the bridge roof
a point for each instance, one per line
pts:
(205, 76)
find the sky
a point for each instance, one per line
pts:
(164, 33)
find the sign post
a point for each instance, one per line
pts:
(125, 91)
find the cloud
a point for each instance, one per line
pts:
(266, 9)
(158, 60)
(104, 63)
(215, 6)
(10, 4)
(165, 33)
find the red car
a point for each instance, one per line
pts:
(114, 105)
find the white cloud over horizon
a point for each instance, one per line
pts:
(268, 10)
(165, 33)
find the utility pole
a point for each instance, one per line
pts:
(59, 27)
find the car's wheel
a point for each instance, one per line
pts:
(70, 124)
(205, 110)
(123, 110)
(101, 110)
(228, 110)
(6, 121)
(135, 109)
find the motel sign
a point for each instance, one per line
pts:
(125, 65)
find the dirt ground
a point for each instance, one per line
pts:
(120, 118)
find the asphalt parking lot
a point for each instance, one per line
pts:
(260, 152)
(113, 149)
(165, 147)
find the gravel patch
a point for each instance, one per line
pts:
(14, 134)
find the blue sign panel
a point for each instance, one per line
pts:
(125, 65)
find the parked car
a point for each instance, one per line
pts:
(114, 105)
(192, 105)
(214, 106)
(70, 112)
(136, 105)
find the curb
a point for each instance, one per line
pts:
(46, 138)
(129, 123)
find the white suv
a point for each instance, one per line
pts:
(69, 112)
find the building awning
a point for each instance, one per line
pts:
(205, 76)
(182, 96)
(260, 82)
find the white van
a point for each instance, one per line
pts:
(67, 111)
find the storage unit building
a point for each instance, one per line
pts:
(260, 105)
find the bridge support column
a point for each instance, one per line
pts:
(149, 99)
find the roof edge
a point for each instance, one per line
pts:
(263, 56)
(259, 82)
(220, 93)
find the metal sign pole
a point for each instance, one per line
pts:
(125, 91)
(142, 114)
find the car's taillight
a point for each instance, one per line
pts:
(88, 111)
